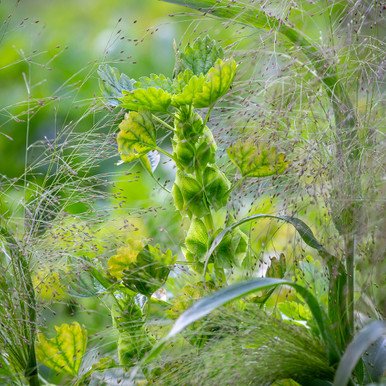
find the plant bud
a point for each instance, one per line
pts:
(206, 149)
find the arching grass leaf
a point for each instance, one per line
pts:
(137, 136)
(199, 57)
(63, 352)
(235, 11)
(151, 99)
(256, 161)
(206, 305)
(356, 349)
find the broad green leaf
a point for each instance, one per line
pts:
(361, 342)
(64, 352)
(256, 161)
(157, 81)
(199, 57)
(112, 83)
(217, 82)
(151, 99)
(137, 136)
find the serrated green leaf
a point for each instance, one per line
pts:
(157, 81)
(199, 57)
(112, 83)
(137, 136)
(64, 352)
(151, 99)
(256, 160)
(125, 258)
(217, 82)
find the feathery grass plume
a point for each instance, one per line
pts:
(244, 348)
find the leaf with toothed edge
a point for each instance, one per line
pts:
(64, 352)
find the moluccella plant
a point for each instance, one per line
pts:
(217, 250)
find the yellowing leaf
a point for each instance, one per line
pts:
(217, 82)
(193, 89)
(64, 352)
(256, 161)
(124, 259)
(152, 99)
(137, 136)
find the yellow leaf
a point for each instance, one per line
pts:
(64, 352)
(125, 257)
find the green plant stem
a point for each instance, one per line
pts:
(165, 153)
(350, 251)
(31, 370)
(163, 123)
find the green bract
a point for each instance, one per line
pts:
(257, 160)
(137, 135)
(197, 240)
(216, 186)
(192, 194)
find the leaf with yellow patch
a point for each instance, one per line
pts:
(137, 136)
(217, 82)
(152, 99)
(257, 160)
(124, 259)
(64, 352)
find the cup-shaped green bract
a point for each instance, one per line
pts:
(205, 149)
(189, 195)
(188, 126)
(216, 186)
(197, 240)
(184, 153)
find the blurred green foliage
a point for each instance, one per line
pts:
(50, 51)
